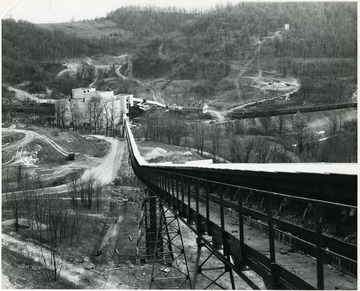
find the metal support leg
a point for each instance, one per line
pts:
(274, 272)
(205, 261)
(169, 253)
(319, 253)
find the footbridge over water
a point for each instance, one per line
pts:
(274, 220)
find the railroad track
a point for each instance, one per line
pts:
(267, 113)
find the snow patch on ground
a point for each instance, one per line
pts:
(25, 158)
(155, 153)
(25, 222)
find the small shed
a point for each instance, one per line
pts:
(71, 156)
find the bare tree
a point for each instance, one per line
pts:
(60, 111)
(336, 123)
(7, 105)
(75, 114)
(86, 73)
(110, 115)
(312, 143)
(94, 112)
(239, 127)
(48, 210)
(228, 128)
(262, 150)
(65, 82)
(248, 149)
(215, 135)
(14, 200)
(174, 128)
(85, 188)
(19, 176)
(199, 132)
(266, 124)
(279, 154)
(299, 125)
(335, 150)
(107, 116)
(52, 259)
(242, 150)
(98, 191)
(279, 124)
(74, 191)
(90, 191)
(180, 130)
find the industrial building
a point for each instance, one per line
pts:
(118, 105)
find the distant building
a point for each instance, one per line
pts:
(80, 93)
(126, 101)
(205, 108)
(118, 104)
(85, 94)
(197, 106)
(287, 26)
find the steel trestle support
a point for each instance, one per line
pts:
(161, 242)
(206, 253)
(217, 211)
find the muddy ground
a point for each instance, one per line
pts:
(40, 155)
(154, 152)
(96, 256)
(102, 254)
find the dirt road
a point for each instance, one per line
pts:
(218, 115)
(106, 171)
(29, 136)
(23, 95)
(156, 95)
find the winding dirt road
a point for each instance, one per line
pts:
(23, 95)
(155, 94)
(29, 136)
(106, 171)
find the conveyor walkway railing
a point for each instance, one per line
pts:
(217, 212)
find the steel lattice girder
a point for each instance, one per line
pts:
(168, 249)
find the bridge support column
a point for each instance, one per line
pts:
(319, 245)
(274, 267)
(148, 228)
(207, 261)
(170, 267)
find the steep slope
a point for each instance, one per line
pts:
(237, 52)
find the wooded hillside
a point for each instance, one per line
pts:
(27, 50)
(320, 48)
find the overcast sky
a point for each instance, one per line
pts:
(45, 11)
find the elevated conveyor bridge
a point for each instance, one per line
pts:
(238, 213)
